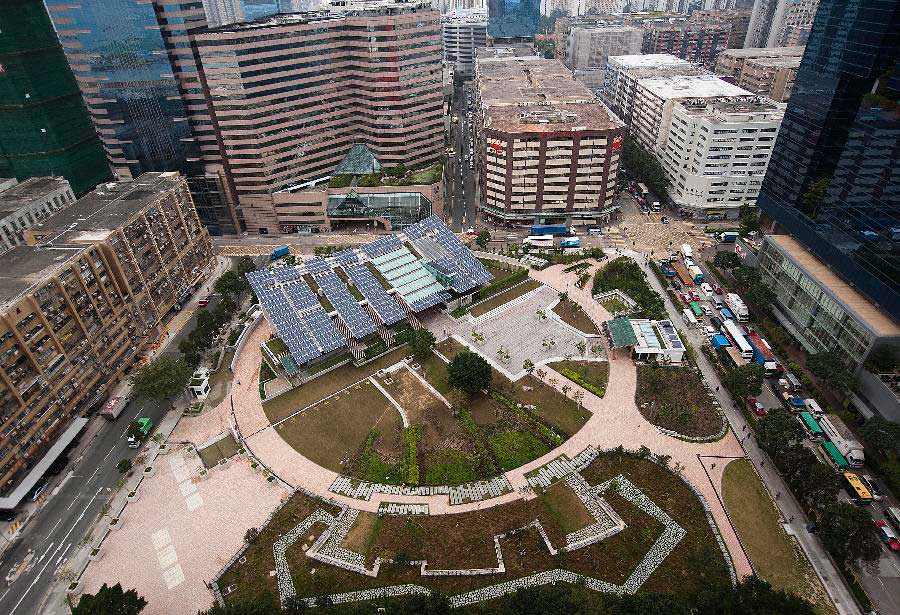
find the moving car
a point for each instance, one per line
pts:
(887, 535)
(873, 487)
(756, 407)
(664, 220)
(718, 289)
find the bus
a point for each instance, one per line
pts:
(683, 275)
(696, 309)
(686, 251)
(834, 457)
(811, 427)
(689, 317)
(539, 241)
(642, 191)
(855, 488)
(737, 336)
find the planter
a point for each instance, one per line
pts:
(75, 587)
(163, 449)
(96, 554)
(204, 474)
(132, 496)
(114, 524)
(149, 471)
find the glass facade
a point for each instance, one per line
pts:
(44, 126)
(119, 58)
(834, 177)
(400, 209)
(513, 18)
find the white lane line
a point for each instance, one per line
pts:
(63, 554)
(45, 553)
(38, 576)
(94, 474)
(110, 452)
(50, 533)
(71, 505)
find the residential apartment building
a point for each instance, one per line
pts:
(824, 312)
(768, 71)
(738, 18)
(715, 153)
(655, 97)
(547, 151)
(697, 42)
(22, 205)
(462, 32)
(80, 303)
(588, 49)
(44, 126)
(285, 121)
(780, 23)
(622, 74)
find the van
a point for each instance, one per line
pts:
(595, 231)
(707, 310)
(716, 322)
(707, 288)
(793, 382)
(717, 302)
(892, 514)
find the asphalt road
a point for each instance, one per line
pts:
(69, 512)
(462, 205)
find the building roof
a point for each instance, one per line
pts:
(517, 80)
(26, 266)
(854, 301)
(553, 118)
(649, 60)
(27, 192)
(359, 161)
(621, 332)
(791, 62)
(765, 52)
(691, 86)
(108, 207)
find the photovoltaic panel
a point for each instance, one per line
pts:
(351, 313)
(322, 328)
(316, 265)
(381, 246)
(383, 304)
(346, 257)
(286, 274)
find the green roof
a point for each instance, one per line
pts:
(621, 332)
(359, 161)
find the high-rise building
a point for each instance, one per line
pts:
(623, 73)
(80, 303)
(738, 18)
(697, 42)
(588, 49)
(137, 74)
(462, 32)
(547, 151)
(511, 19)
(22, 205)
(44, 126)
(780, 23)
(285, 121)
(833, 182)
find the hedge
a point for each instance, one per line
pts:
(577, 378)
(500, 285)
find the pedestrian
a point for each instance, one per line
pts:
(777, 495)
(239, 383)
(713, 466)
(762, 464)
(791, 520)
(717, 388)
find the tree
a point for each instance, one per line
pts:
(752, 596)
(123, 466)
(778, 430)
(883, 360)
(749, 218)
(528, 366)
(421, 342)
(251, 534)
(828, 367)
(746, 276)
(848, 534)
(727, 260)
(746, 380)
(231, 283)
(816, 482)
(295, 605)
(110, 601)
(469, 372)
(814, 195)
(881, 433)
(160, 379)
(482, 239)
(761, 295)
(244, 266)
(645, 167)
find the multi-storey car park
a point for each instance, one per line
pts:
(80, 302)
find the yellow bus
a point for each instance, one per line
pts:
(856, 489)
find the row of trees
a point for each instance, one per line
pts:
(644, 166)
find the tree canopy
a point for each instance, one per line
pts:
(746, 380)
(727, 260)
(482, 239)
(421, 342)
(645, 167)
(110, 601)
(778, 430)
(469, 372)
(160, 379)
(827, 366)
(848, 534)
(881, 433)
(883, 360)
(231, 283)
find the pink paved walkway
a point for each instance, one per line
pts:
(615, 421)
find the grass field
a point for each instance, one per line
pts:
(774, 555)
(595, 373)
(333, 431)
(505, 297)
(675, 398)
(296, 399)
(465, 540)
(572, 314)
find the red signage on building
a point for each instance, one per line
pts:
(497, 148)
(617, 143)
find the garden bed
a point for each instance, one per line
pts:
(572, 314)
(674, 398)
(504, 297)
(592, 375)
(626, 275)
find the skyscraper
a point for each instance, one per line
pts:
(44, 126)
(780, 23)
(834, 177)
(513, 18)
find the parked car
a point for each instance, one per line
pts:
(718, 289)
(36, 492)
(664, 220)
(707, 310)
(8, 515)
(695, 295)
(873, 487)
(709, 331)
(887, 535)
(203, 302)
(685, 297)
(756, 407)
(676, 284)
(707, 288)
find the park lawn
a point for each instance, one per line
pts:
(335, 429)
(567, 510)
(674, 398)
(504, 297)
(613, 305)
(572, 314)
(774, 555)
(319, 388)
(595, 373)
(448, 467)
(515, 448)
(466, 540)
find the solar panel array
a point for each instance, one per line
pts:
(351, 313)
(429, 301)
(316, 265)
(445, 249)
(383, 304)
(672, 339)
(345, 257)
(295, 313)
(382, 246)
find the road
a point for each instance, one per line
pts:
(461, 202)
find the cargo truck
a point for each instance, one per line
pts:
(280, 252)
(696, 274)
(737, 307)
(556, 230)
(138, 431)
(113, 408)
(762, 354)
(570, 242)
(728, 237)
(840, 435)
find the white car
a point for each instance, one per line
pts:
(709, 331)
(707, 288)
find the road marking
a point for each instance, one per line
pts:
(94, 474)
(45, 553)
(63, 553)
(50, 533)
(110, 451)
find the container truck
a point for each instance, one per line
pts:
(279, 252)
(737, 307)
(138, 431)
(570, 242)
(683, 274)
(842, 438)
(113, 408)
(555, 230)
(696, 274)
(763, 354)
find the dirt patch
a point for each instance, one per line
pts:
(567, 510)
(572, 314)
(674, 398)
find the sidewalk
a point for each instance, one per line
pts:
(787, 504)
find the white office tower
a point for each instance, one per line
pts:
(462, 32)
(780, 23)
(223, 12)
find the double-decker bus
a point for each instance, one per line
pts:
(855, 488)
(811, 427)
(833, 457)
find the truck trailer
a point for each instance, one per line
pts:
(728, 237)
(113, 408)
(737, 307)
(842, 438)
(556, 230)
(762, 353)
(696, 274)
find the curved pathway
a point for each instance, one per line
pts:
(615, 420)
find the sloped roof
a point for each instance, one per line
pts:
(359, 161)
(621, 332)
